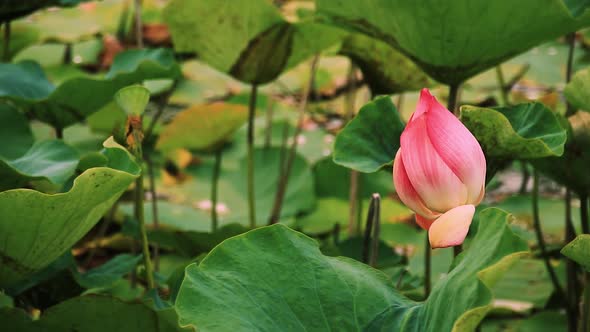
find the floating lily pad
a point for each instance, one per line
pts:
(457, 39)
(257, 44)
(39, 238)
(523, 131)
(369, 142)
(304, 289)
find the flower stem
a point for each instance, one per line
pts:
(370, 248)
(571, 39)
(214, 183)
(139, 215)
(585, 314)
(572, 283)
(540, 240)
(6, 45)
(502, 85)
(286, 171)
(251, 117)
(138, 25)
(269, 117)
(155, 218)
(427, 268)
(452, 102)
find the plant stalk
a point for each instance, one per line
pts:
(540, 239)
(6, 45)
(251, 117)
(572, 283)
(585, 314)
(155, 215)
(214, 184)
(138, 25)
(284, 176)
(376, 202)
(452, 102)
(427, 268)
(354, 218)
(269, 117)
(502, 85)
(139, 215)
(368, 231)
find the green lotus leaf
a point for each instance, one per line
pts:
(92, 313)
(133, 99)
(15, 133)
(456, 39)
(278, 279)
(385, 69)
(523, 131)
(76, 98)
(248, 39)
(370, 140)
(53, 160)
(579, 250)
(10, 10)
(203, 127)
(577, 91)
(40, 237)
(571, 169)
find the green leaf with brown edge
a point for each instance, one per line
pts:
(579, 250)
(78, 97)
(278, 279)
(577, 91)
(522, 131)
(94, 313)
(385, 69)
(202, 127)
(370, 140)
(39, 237)
(248, 39)
(455, 39)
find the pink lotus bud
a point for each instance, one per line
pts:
(439, 172)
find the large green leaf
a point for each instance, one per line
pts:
(369, 142)
(385, 69)
(93, 313)
(571, 169)
(52, 160)
(456, 39)
(579, 250)
(203, 127)
(275, 278)
(15, 133)
(248, 39)
(10, 10)
(523, 131)
(577, 91)
(48, 225)
(78, 97)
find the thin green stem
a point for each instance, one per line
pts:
(453, 93)
(525, 177)
(571, 40)
(572, 283)
(251, 117)
(427, 268)
(214, 184)
(138, 25)
(59, 133)
(376, 202)
(368, 231)
(269, 117)
(68, 54)
(540, 239)
(284, 176)
(155, 214)
(585, 314)
(353, 203)
(502, 85)
(6, 44)
(139, 215)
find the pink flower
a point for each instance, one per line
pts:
(439, 172)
